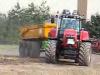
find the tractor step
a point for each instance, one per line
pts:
(69, 56)
(70, 52)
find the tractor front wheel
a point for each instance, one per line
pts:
(85, 54)
(50, 52)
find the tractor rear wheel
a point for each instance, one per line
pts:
(50, 52)
(85, 54)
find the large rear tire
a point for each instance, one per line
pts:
(85, 54)
(50, 52)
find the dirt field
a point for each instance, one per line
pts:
(27, 66)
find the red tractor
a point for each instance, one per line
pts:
(69, 41)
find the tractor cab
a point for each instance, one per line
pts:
(70, 23)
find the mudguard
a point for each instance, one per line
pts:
(52, 33)
(84, 35)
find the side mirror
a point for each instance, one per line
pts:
(83, 19)
(83, 29)
(52, 20)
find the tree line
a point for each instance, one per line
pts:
(93, 26)
(17, 17)
(34, 14)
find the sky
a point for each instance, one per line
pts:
(55, 5)
(6, 5)
(93, 7)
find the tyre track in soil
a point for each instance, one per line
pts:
(95, 57)
(12, 65)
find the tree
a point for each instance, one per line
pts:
(31, 15)
(95, 21)
(3, 20)
(94, 26)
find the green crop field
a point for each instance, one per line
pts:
(8, 47)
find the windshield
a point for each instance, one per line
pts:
(69, 23)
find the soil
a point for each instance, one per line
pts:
(11, 65)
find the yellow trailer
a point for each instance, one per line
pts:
(36, 31)
(31, 37)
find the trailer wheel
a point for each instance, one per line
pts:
(23, 52)
(34, 49)
(29, 48)
(50, 52)
(21, 49)
(85, 54)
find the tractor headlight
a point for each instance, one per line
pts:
(70, 41)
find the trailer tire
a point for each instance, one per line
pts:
(23, 52)
(34, 49)
(85, 54)
(29, 48)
